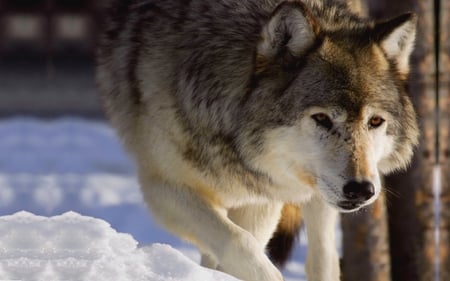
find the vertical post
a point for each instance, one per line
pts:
(365, 241)
(444, 138)
(411, 213)
(2, 25)
(49, 40)
(365, 244)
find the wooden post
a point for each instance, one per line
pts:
(365, 244)
(444, 139)
(411, 213)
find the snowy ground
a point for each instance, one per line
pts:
(75, 247)
(48, 168)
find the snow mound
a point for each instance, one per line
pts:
(75, 247)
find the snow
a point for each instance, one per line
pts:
(79, 190)
(75, 247)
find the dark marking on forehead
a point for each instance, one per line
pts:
(352, 79)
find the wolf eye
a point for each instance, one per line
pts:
(375, 122)
(323, 120)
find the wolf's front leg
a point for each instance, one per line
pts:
(322, 262)
(260, 220)
(195, 217)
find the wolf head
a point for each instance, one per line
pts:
(329, 100)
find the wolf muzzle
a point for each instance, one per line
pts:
(357, 193)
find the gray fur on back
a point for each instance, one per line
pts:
(211, 46)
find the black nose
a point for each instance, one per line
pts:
(359, 191)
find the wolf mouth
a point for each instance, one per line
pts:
(350, 205)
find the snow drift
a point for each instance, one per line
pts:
(76, 247)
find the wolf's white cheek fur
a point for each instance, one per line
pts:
(384, 146)
(283, 159)
(321, 155)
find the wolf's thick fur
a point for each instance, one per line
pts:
(232, 109)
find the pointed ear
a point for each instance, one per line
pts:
(291, 28)
(396, 37)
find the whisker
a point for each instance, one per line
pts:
(391, 192)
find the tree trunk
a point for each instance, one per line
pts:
(411, 213)
(444, 139)
(365, 246)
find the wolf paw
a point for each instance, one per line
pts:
(248, 262)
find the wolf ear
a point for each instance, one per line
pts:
(291, 28)
(396, 37)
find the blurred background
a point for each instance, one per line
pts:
(58, 153)
(47, 52)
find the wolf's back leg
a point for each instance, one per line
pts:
(205, 223)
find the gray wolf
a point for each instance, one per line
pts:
(233, 109)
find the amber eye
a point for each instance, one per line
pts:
(323, 120)
(375, 122)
